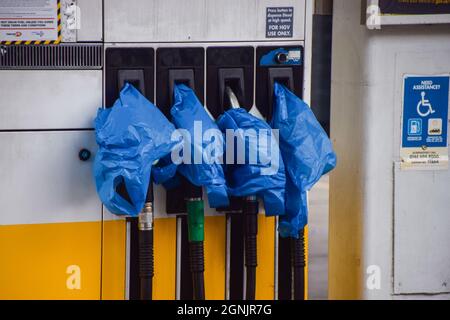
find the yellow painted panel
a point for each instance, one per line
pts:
(50, 261)
(165, 248)
(265, 272)
(215, 233)
(114, 263)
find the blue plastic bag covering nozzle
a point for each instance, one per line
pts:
(205, 141)
(307, 153)
(264, 176)
(131, 135)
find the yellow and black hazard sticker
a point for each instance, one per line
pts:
(28, 24)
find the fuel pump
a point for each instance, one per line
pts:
(230, 74)
(180, 53)
(132, 135)
(308, 154)
(251, 179)
(183, 65)
(250, 210)
(203, 171)
(279, 91)
(151, 46)
(247, 179)
(283, 65)
(179, 69)
(196, 237)
(126, 67)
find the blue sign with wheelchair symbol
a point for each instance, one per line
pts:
(425, 111)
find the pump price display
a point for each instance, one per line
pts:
(28, 20)
(279, 22)
(425, 123)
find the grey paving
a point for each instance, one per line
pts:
(318, 240)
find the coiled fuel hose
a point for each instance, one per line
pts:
(298, 265)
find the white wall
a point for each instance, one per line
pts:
(365, 127)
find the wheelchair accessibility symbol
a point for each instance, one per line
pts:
(424, 107)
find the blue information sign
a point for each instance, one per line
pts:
(425, 119)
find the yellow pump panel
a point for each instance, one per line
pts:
(50, 261)
(67, 261)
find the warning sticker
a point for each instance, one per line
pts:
(29, 20)
(425, 123)
(279, 22)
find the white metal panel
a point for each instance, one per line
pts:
(421, 232)
(421, 199)
(237, 21)
(91, 16)
(42, 179)
(195, 20)
(181, 20)
(52, 99)
(130, 21)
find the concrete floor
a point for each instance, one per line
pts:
(318, 240)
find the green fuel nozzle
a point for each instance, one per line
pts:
(196, 220)
(196, 234)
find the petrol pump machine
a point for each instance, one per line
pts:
(221, 50)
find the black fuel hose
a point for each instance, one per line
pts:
(298, 265)
(146, 259)
(250, 211)
(197, 265)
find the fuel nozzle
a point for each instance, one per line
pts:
(145, 217)
(232, 98)
(146, 264)
(196, 231)
(250, 211)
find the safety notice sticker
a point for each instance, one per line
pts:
(425, 123)
(29, 20)
(279, 22)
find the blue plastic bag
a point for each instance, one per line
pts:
(307, 153)
(131, 135)
(204, 168)
(264, 177)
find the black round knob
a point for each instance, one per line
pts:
(84, 155)
(281, 57)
